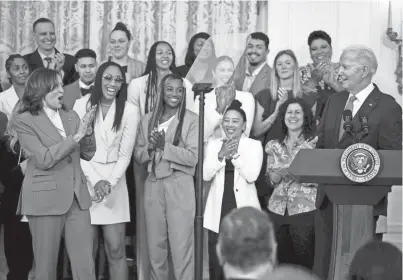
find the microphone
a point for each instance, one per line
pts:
(364, 124)
(347, 117)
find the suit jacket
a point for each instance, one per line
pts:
(72, 92)
(3, 123)
(174, 158)
(53, 174)
(112, 146)
(385, 131)
(247, 169)
(35, 61)
(262, 80)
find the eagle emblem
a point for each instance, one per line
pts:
(360, 163)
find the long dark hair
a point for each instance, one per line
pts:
(158, 109)
(190, 54)
(151, 70)
(97, 94)
(307, 130)
(39, 84)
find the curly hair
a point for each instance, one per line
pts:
(39, 84)
(307, 130)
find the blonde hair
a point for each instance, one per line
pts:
(10, 131)
(275, 79)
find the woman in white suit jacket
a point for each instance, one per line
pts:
(218, 100)
(115, 130)
(232, 164)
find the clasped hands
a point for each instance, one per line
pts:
(156, 140)
(229, 148)
(102, 189)
(57, 62)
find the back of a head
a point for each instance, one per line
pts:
(377, 260)
(246, 239)
(291, 272)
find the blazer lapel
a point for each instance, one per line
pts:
(263, 75)
(109, 133)
(370, 103)
(45, 124)
(66, 120)
(37, 60)
(170, 133)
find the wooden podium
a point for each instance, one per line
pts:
(353, 222)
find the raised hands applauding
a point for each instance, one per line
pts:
(156, 140)
(85, 127)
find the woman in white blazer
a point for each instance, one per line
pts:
(232, 164)
(218, 100)
(115, 129)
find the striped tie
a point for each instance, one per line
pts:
(349, 106)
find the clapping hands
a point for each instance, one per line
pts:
(156, 140)
(229, 148)
(85, 127)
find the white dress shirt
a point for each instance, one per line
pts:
(82, 85)
(250, 78)
(8, 99)
(361, 96)
(43, 56)
(56, 120)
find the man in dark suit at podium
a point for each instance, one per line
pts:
(369, 107)
(46, 55)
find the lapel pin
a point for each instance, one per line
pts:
(370, 104)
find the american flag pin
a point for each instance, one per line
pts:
(370, 104)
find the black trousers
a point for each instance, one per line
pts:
(215, 269)
(17, 247)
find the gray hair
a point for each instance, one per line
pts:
(364, 55)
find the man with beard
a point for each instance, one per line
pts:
(253, 73)
(46, 55)
(358, 65)
(86, 67)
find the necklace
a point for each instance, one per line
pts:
(106, 105)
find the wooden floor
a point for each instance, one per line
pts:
(394, 234)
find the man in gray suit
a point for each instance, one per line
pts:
(253, 73)
(86, 66)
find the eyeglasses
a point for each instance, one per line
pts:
(109, 78)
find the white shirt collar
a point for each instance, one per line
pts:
(82, 85)
(50, 112)
(256, 71)
(363, 94)
(43, 56)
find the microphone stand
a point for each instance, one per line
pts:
(200, 88)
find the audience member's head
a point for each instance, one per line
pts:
(376, 260)
(17, 69)
(291, 272)
(119, 40)
(257, 48)
(44, 34)
(246, 244)
(86, 65)
(320, 46)
(358, 64)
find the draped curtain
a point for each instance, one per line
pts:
(82, 24)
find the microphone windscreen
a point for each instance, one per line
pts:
(347, 114)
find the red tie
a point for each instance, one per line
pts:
(349, 106)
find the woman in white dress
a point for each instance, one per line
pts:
(218, 100)
(115, 129)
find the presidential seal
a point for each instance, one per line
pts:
(360, 163)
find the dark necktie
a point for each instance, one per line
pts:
(85, 91)
(349, 106)
(48, 61)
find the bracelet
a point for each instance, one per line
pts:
(235, 156)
